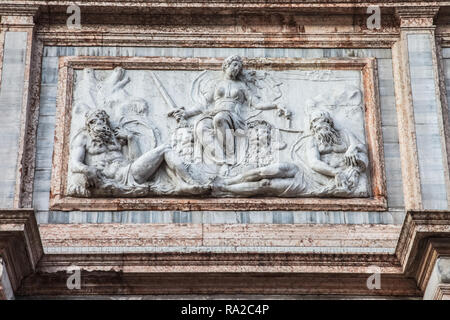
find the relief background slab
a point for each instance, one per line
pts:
(303, 79)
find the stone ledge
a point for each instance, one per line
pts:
(425, 238)
(20, 245)
(417, 18)
(287, 283)
(18, 14)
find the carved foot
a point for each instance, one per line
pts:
(78, 186)
(78, 191)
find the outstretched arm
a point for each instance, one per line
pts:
(267, 106)
(77, 155)
(182, 113)
(82, 176)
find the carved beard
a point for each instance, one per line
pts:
(327, 136)
(101, 134)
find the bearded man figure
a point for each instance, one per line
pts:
(333, 159)
(328, 162)
(97, 162)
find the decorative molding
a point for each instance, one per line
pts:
(25, 176)
(17, 9)
(194, 283)
(18, 15)
(417, 18)
(232, 40)
(220, 273)
(20, 244)
(287, 29)
(238, 4)
(423, 239)
(442, 292)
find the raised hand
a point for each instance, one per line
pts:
(283, 112)
(351, 157)
(179, 114)
(121, 133)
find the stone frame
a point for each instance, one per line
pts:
(60, 201)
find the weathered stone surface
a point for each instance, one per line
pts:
(225, 143)
(254, 252)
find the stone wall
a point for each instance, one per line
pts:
(412, 52)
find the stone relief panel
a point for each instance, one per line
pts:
(234, 132)
(201, 128)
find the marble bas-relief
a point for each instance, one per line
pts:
(228, 133)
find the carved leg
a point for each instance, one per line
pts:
(147, 164)
(177, 166)
(246, 189)
(279, 170)
(225, 138)
(184, 183)
(262, 187)
(204, 133)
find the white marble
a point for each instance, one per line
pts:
(228, 133)
(11, 97)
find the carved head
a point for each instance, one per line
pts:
(183, 143)
(317, 118)
(98, 125)
(232, 66)
(322, 127)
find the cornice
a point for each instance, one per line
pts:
(168, 3)
(18, 15)
(228, 5)
(425, 236)
(417, 17)
(415, 12)
(20, 243)
(17, 9)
